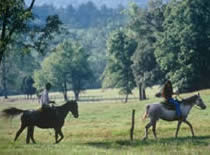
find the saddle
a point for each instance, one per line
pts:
(168, 105)
(48, 112)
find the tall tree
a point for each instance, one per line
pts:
(16, 64)
(118, 72)
(183, 49)
(22, 44)
(66, 68)
(13, 19)
(144, 25)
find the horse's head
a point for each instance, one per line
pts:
(199, 102)
(73, 108)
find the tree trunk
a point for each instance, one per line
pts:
(1, 56)
(4, 78)
(65, 96)
(65, 91)
(140, 92)
(144, 94)
(126, 98)
(76, 95)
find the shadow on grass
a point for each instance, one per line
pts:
(196, 141)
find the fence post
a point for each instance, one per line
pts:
(132, 124)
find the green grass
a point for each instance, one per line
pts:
(103, 128)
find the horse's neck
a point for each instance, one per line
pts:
(190, 100)
(63, 111)
(187, 104)
(185, 108)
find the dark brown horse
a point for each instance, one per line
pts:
(53, 118)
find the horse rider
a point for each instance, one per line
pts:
(44, 99)
(166, 93)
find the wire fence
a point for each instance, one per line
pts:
(57, 98)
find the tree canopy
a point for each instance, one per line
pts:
(118, 72)
(183, 47)
(14, 17)
(67, 68)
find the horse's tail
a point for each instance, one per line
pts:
(146, 113)
(11, 112)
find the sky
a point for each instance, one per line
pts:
(64, 3)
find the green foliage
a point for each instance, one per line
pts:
(18, 66)
(183, 47)
(144, 24)
(67, 65)
(84, 16)
(42, 36)
(13, 19)
(118, 72)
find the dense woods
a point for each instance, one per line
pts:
(84, 47)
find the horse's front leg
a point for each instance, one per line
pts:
(56, 136)
(61, 135)
(177, 129)
(32, 134)
(28, 135)
(191, 128)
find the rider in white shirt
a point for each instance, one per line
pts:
(44, 99)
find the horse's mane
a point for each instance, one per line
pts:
(63, 105)
(189, 100)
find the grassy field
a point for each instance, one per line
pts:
(103, 128)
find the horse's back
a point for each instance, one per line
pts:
(158, 111)
(30, 116)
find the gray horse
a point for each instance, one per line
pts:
(159, 111)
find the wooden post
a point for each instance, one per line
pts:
(132, 124)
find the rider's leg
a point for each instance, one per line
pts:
(177, 105)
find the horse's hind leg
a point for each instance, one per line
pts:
(154, 130)
(177, 129)
(191, 128)
(146, 130)
(20, 131)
